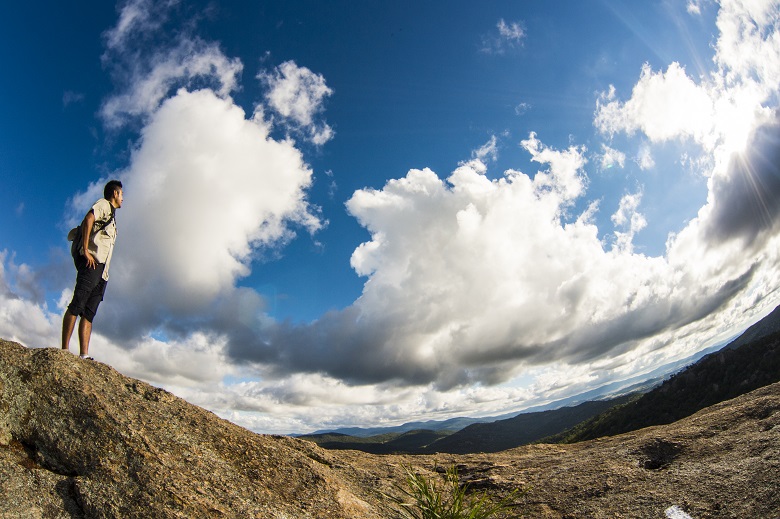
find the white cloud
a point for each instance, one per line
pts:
(748, 46)
(206, 189)
(297, 95)
(522, 108)
(285, 406)
(137, 17)
(488, 151)
(644, 158)
(149, 63)
(663, 106)
(22, 319)
(628, 205)
(189, 61)
(628, 218)
(694, 7)
(511, 32)
(719, 111)
(196, 360)
(565, 177)
(611, 157)
(507, 36)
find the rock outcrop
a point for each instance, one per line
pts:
(78, 439)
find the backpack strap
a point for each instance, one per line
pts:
(75, 234)
(96, 229)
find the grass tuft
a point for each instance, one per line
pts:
(427, 498)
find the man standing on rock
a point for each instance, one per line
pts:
(92, 252)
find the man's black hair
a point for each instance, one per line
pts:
(112, 185)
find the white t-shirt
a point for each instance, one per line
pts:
(101, 244)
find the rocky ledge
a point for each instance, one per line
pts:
(78, 439)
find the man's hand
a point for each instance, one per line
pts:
(91, 263)
(86, 232)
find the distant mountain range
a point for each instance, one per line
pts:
(451, 425)
(495, 436)
(713, 375)
(638, 384)
(522, 429)
(750, 362)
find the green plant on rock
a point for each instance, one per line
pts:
(448, 500)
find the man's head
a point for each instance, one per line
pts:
(113, 193)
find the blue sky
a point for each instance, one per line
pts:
(365, 213)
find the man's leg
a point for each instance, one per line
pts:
(85, 324)
(68, 324)
(87, 295)
(85, 332)
(86, 280)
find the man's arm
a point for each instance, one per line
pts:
(86, 232)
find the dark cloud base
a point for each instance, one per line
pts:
(342, 345)
(747, 199)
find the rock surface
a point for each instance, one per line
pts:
(78, 439)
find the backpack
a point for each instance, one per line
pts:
(74, 235)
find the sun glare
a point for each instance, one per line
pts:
(735, 129)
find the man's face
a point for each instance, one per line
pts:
(118, 197)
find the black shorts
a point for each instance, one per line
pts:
(89, 291)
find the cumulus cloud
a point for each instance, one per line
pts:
(207, 189)
(297, 94)
(280, 407)
(471, 279)
(663, 106)
(175, 363)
